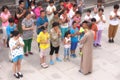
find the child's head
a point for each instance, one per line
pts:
(78, 14)
(84, 24)
(11, 21)
(67, 34)
(116, 7)
(93, 20)
(100, 11)
(61, 2)
(88, 12)
(44, 29)
(74, 24)
(51, 2)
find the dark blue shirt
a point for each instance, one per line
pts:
(40, 21)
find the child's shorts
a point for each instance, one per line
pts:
(17, 58)
(43, 52)
(73, 45)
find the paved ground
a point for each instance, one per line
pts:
(106, 63)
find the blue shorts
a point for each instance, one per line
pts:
(17, 58)
(73, 45)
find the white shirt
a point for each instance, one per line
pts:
(114, 21)
(63, 25)
(67, 41)
(100, 25)
(18, 51)
(88, 18)
(70, 15)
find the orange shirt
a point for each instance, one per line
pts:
(95, 29)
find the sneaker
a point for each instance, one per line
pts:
(58, 60)
(20, 74)
(44, 65)
(112, 40)
(74, 56)
(30, 53)
(99, 45)
(51, 62)
(26, 54)
(109, 40)
(16, 75)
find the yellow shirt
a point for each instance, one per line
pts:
(43, 39)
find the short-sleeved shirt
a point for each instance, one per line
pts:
(50, 8)
(88, 18)
(5, 16)
(27, 34)
(54, 38)
(19, 11)
(43, 37)
(9, 29)
(74, 38)
(114, 21)
(41, 21)
(19, 50)
(100, 25)
(63, 25)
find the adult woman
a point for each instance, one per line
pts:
(5, 15)
(16, 47)
(27, 26)
(86, 58)
(55, 35)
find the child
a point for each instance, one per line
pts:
(88, 16)
(67, 44)
(74, 38)
(77, 18)
(95, 29)
(10, 28)
(16, 48)
(43, 39)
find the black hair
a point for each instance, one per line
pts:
(89, 10)
(55, 24)
(11, 20)
(39, 3)
(4, 7)
(100, 9)
(51, 1)
(73, 22)
(67, 0)
(93, 20)
(61, 1)
(85, 22)
(66, 34)
(28, 12)
(74, 5)
(43, 28)
(21, 1)
(55, 12)
(116, 6)
(15, 33)
(42, 11)
(78, 12)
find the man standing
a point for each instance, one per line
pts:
(19, 15)
(114, 22)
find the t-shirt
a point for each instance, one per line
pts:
(50, 8)
(37, 12)
(100, 25)
(19, 50)
(68, 40)
(74, 38)
(5, 16)
(88, 18)
(9, 29)
(64, 25)
(40, 21)
(55, 38)
(27, 34)
(114, 21)
(43, 37)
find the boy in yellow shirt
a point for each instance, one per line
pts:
(43, 40)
